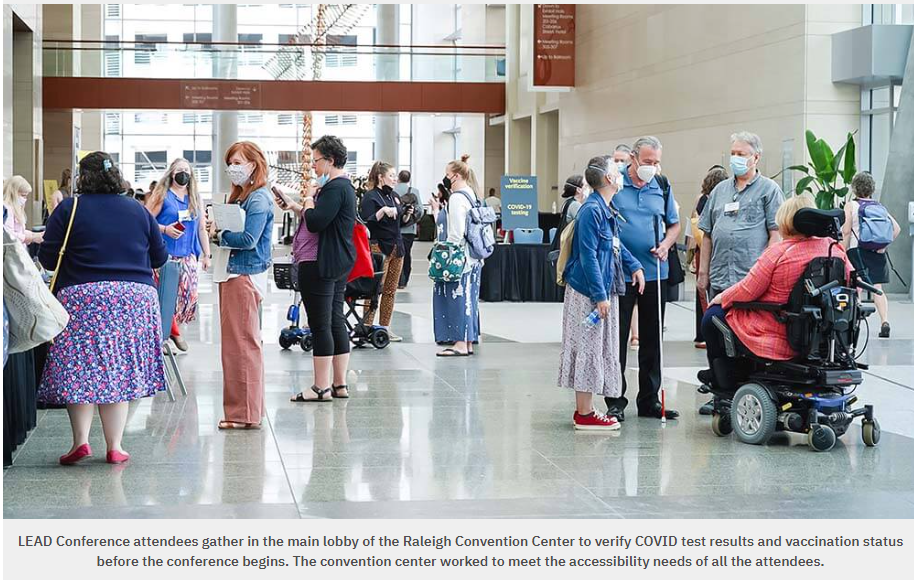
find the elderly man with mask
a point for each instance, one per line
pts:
(622, 156)
(738, 222)
(643, 202)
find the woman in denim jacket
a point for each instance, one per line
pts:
(595, 279)
(244, 287)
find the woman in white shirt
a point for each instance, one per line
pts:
(455, 305)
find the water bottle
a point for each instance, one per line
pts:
(592, 320)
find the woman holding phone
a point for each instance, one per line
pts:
(175, 203)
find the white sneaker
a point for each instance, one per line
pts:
(394, 337)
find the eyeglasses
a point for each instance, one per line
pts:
(316, 159)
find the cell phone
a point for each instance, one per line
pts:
(179, 226)
(279, 199)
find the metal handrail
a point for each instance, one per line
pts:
(108, 44)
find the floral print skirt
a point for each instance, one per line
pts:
(187, 290)
(590, 355)
(455, 307)
(110, 351)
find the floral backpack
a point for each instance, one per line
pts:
(446, 259)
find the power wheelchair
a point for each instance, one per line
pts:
(814, 392)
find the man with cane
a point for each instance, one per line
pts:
(643, 201)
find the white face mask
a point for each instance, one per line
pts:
(646, 172)
(619, 183)
(239, 174)
(22, 201)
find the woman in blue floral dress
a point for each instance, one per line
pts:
(111, 350)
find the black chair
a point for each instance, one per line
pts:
(813, 393)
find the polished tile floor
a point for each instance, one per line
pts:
(488, 436)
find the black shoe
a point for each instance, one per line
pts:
(885, 330)
(706, 378)
(616, 412)
(655, 413)
(707, 408)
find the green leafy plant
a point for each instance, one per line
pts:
(820, 175)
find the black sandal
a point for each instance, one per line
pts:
(321, 396)
(448, 352)
(336, 390)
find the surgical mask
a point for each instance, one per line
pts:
(739, 165)
(239, 174)
(621, 165)
(23, 200)
(646, 172)
(619, 183)
(323, 179)
(182, 178)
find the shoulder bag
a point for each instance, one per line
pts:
(676, 274)
(35, 314)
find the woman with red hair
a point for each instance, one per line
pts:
(243, 285)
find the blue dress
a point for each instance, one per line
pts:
(455, 305)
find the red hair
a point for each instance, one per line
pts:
(258, 179)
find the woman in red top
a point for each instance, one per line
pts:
(771, 279)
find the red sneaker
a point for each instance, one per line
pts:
(595, 422)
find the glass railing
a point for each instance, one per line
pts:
(274, 62)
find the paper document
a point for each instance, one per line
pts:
(219, 266)
(228, 217)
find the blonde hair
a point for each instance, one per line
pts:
(11, 189)
(787, 211)
(377, 170)
(463, 169)
(157, 196)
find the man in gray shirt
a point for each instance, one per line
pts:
(738, 220)
(409, 196)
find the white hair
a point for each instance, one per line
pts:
(750, 139)
(652, 142)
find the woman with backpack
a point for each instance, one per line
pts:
(866, 246)
(573, 192)
(455, 305)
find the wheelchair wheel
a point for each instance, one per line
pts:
(753, 415)
(821, 437)
(379, 338)
(286, 342)
(307, 343)
(721, 425)
(871, 433)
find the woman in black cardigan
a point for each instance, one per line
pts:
(326, 255)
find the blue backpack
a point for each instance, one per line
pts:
(875, 225)
(479, 233)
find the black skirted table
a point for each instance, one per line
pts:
(19, 405)
(520, 273)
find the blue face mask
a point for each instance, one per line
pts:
(739, 165)
(323, 179)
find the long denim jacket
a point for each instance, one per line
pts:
(251, 249)
(590, 267)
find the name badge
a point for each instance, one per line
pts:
(184, 215)
(731, 208)
(617, 243)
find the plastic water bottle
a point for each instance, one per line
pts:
(592, 320)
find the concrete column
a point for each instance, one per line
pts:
(22, 82)
(225, 123)
(60, 127)
(897, 190)
(387, 67)
(91, 22)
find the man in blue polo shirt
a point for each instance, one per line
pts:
(642, 203)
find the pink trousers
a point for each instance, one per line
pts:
(242, 352)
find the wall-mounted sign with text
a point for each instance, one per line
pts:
(519, 207)
(553, 46)
(220, 95)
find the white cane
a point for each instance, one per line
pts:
(660, 321)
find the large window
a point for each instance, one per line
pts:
(878, 109)
(149, 165)
(146, 45)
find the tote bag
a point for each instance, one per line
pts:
(35, 314)
(363, 268)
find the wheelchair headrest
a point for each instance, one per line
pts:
(822, 223)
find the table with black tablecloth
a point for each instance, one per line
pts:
(19, 404)
(520, 273)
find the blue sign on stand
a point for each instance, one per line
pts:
(519, 202)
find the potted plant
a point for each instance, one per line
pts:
(823, 170)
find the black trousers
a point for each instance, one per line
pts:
(323, 300)
(649, 340)
(408, 240)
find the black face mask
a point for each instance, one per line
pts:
(447, 182)
(182, 178)
(387, 189)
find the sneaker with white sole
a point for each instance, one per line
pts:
(394, 337)
(595, 422)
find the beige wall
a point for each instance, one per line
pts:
(22, 115)
(706, 72)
